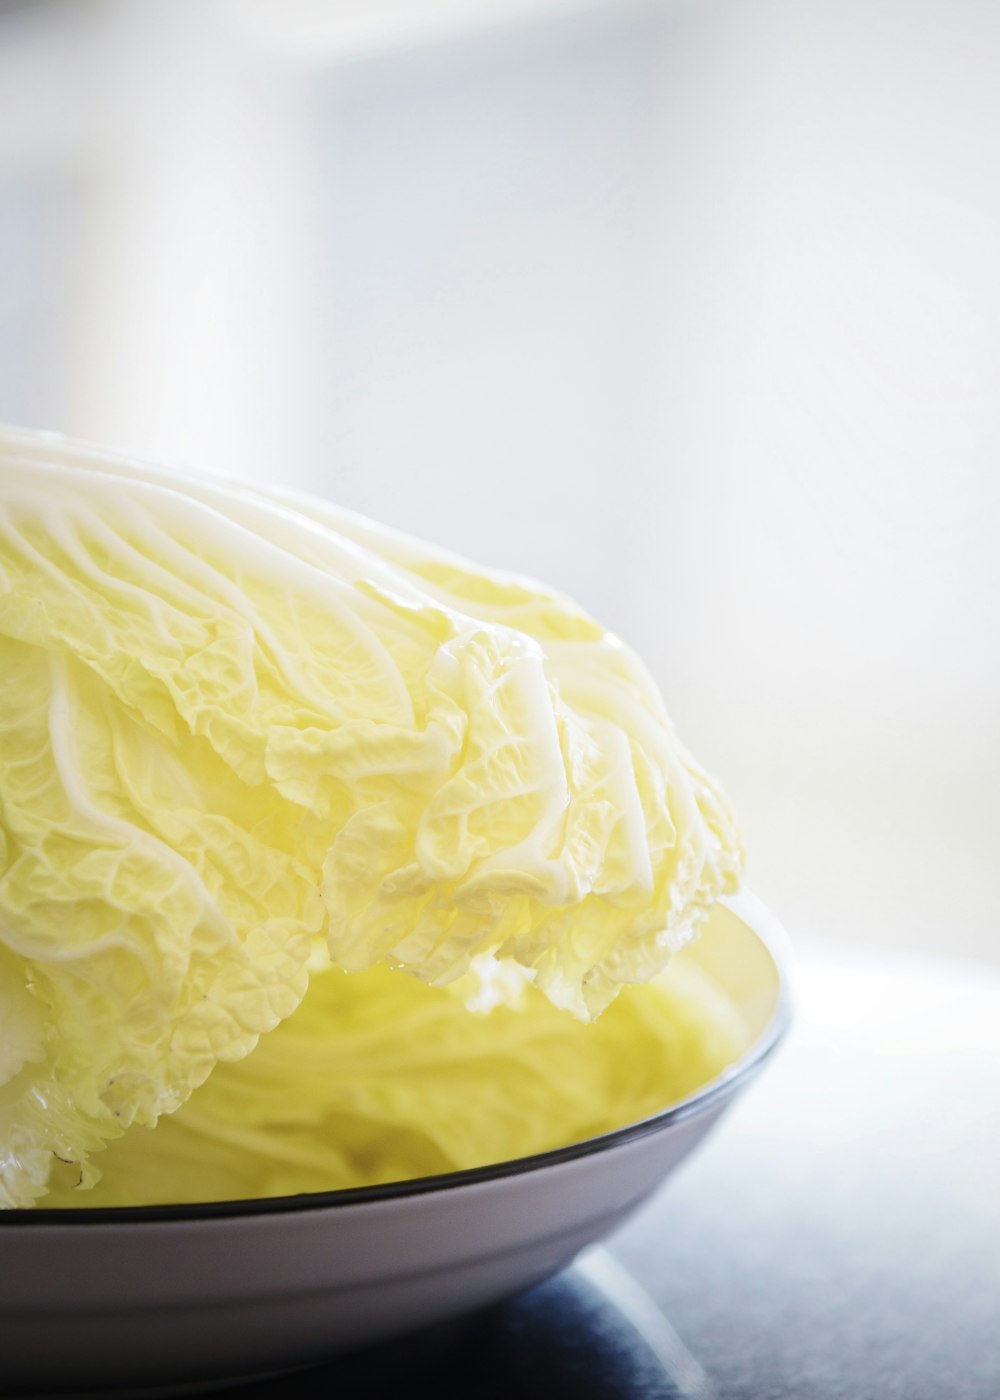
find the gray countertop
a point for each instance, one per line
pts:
(840, 1234)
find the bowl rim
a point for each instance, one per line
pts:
(755, 915)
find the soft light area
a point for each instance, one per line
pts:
(692, 310)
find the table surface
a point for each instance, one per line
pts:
(838, 1236)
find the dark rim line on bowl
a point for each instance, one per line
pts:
(720, 1088)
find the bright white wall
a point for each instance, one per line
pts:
(691, 309)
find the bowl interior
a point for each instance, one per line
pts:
(744, 950)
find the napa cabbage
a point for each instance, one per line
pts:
(243, 735)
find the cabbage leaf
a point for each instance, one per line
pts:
(379, 1078)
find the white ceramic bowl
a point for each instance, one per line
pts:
(172, 1296)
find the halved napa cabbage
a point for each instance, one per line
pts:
(244, 733)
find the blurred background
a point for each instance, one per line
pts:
(690, 309)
